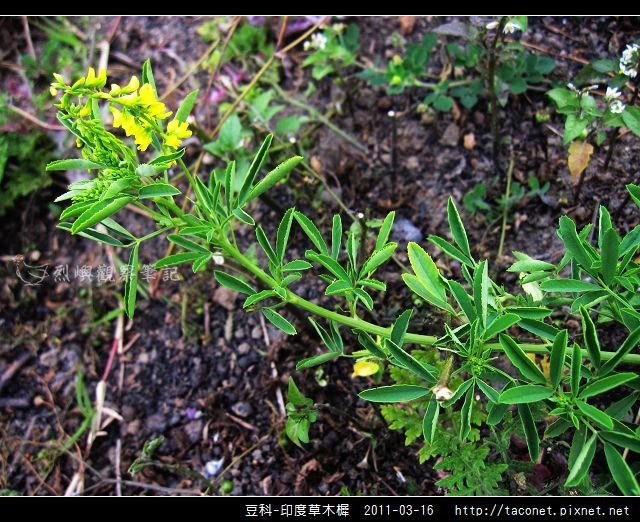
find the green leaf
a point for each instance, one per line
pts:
(622, 439)
(590, 337)
(312, 232)
(403, 358)
(74, 164)
(621, 472)
(530, 431)
(336, 236)
(296, 265)
(539, 328)
(463, 299)
(529, 312)
(257, 297)
(525, 394)
(187, 243)
(576, 367)
(201, 262)
(568, 285)
(631, 118)
(427, 282)
(278, 321)
(316, 360)
(629, 344)
(609, 255)
(452, 251)
(620, 409)
(165, 159)
(400, 327)
(460, 391)
(596, 387)
(430, 420)
(596, 415)
(273, 177)
(187, 106)
(490, 392)
(465, 414)
(232, 282)
(528, 264)
(457, 228)
(131, 283)
(557, 428)
(369, 344)
(374, 284)
(203, 195)
(364, 297)
(573, 243)
(177, 259)
(92, 233)
(330, 264)
(394, 393)
(265, 245)
(481, 285)
(519, 359)
(99, 211)
(255, 166)
(147, 170)
(242, 216)
(147, 75)
(385, 230)
(338, 287)
(377, 258)
(282, 237)
(558, 355)
(500, 324)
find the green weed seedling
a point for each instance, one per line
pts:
(489, 335)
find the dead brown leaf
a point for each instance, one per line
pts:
(579, 155)
(315, 164)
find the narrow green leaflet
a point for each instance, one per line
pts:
(558, 355)
(629, 344)
(530, 431)
(273, 177)
(234, 283)
(377, 258)
(329, 263)
(590, 337)
(426, 372)
(263, 241)
(609, 255)
(490, 392)
(568, 285)
(312, 232)
(369, 344)
(465, 414)
(278, 321)
(336, 236)
(457, 228)
(452, 251)
(430, 420)
(426, 282)
(177, 259)
(316, 360)
(242, 216)
(621, 472)
(500, 324)
(464, 299)
(257, 297)
(394, 393)
(74, 164)
(385, 230)
(131, 283)
(622, 439)
(525, 394)
(521, 361)
(528, 264)
(576, 367)
(282, 236)
(400, 327)
(573, 243)
(92, 233)
(596, 415)
(599, 386)
(481, 285)
(296, 265)
(98, 211)
(582, 463)
(257, 162)
(187, 106)
(187, 244)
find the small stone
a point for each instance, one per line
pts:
(133, 427)
(242, 409)
(247, 360)
(156, 422)
(193, 430)
(451, 135)
(225, 298)
(244, 348)
(256, 332)
(128, 413)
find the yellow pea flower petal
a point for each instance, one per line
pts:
(365, 368)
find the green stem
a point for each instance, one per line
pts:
(505, 210)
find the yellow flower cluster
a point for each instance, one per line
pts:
(176, 132)
(365, 368)
(138, 107)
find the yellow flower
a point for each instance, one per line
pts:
(148, 98)
(365, 368)
(96, 81)
(142, 134)
(176, 132)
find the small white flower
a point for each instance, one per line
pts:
(612, 94)
(617, 106)
(307, 45)
(292, 139)
(593, 87)
(318, 41)
(629, 60)
(442, 393)
(218, 260)
(511, 27)
(338, 28)
(492, 25)
(572, 87)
